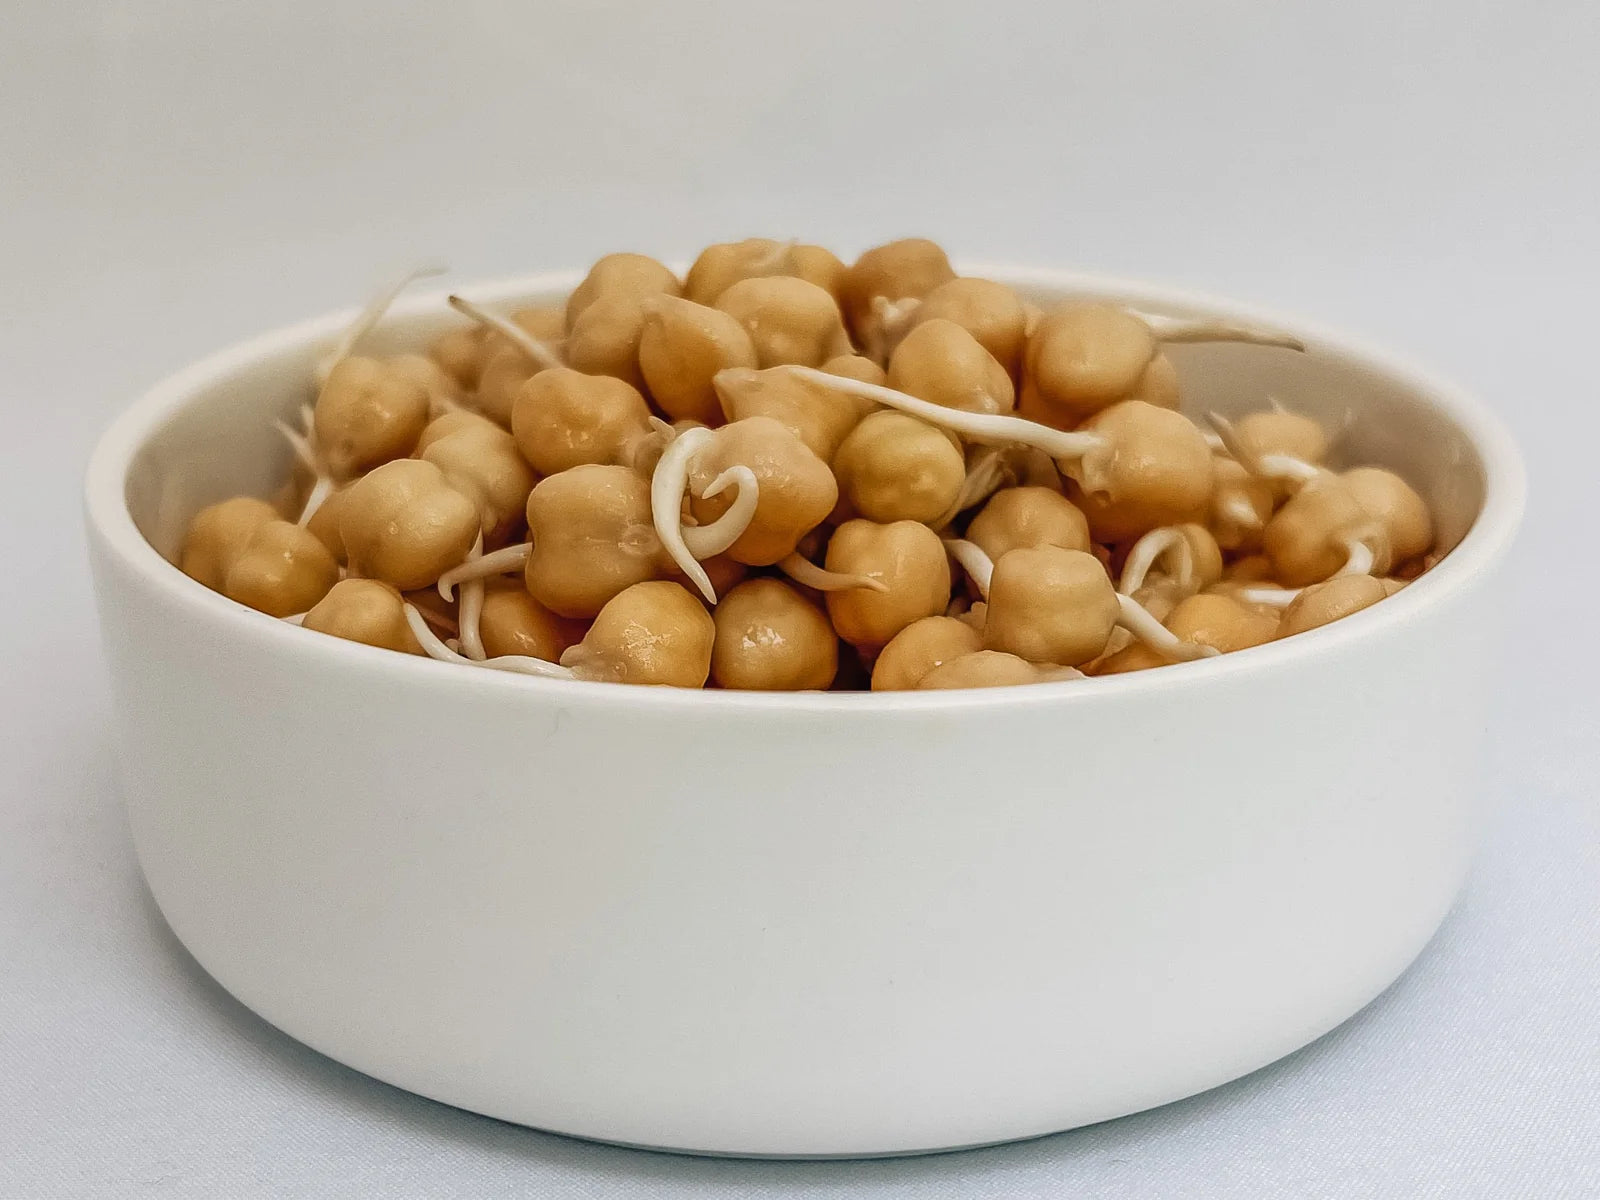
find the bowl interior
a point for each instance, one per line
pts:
(218, 439)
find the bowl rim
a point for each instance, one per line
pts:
(110, 521)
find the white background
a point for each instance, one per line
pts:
(174, 176)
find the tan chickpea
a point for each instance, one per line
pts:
(1159, 384)
(1276, 431)
(796, 488)
(480, 460)
(504, 373)
(907, 269)
(720, 266)
(1155, 469)
(605, 338)
(545, 323)
(1198, 560)
(1050, 605)
(907, 557)
(281, 570)
(461, 353)
(218, 534)
(324, 523)
(654, 632)
(513, 622)
(1396, 505)
(919, 648)
(982, 669)
(771, 638)
(1221, 622)
(818, 265)
(1028, 516)
(364, 610)
(855, 366)
(817, 416)
(893, 467)
(367, 414)
(1082, 358)
(630, 277)
(942, 363)
(1315, 533)
(1323, 603)
(788, 320)
(683, 347)
(991, 312)
(592, 537)
(444, 393)
(405, 524)
(1241, 506)
(1253, 568)
(563, 418)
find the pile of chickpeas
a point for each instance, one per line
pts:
(785, 472)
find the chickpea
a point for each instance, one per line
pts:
(1396, 506)
(986, 668)
(1278, 431)
(514, 623)
(907, 269)
(819, 417)
(907, 557)
(942, 363)
(324, 523)
(991, 312)
(683, 347)
(444, 393)
(1321, 603)
(1159, 384)
(460, 353)
(893, 467)
(563, 418)
(919, 648)
(1028, 516)
(218, 534)
(364, 610)
(653, 632)
(632, 277)
(771, 638)
(788, 320)
(721, 266)
(504, 373)
(464, 353)
(480, 460)
(605, 338)
(796, 488)
(1220, 622)
(281, 570)
(1317, 533)
(1050, 605)
(1198, 565)
(818, 265)
(592, 538)
(367, 413)
(404, 524)
(1241, 506)
(1154, 468)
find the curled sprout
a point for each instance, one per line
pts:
(974, 561)
(367, 319)
(992, 429)
(1153, 546)
(1275, 468)
(519, 664)
(505, 561)
(806, 573)
(668, 486)
(541, 354)
(1137, 620)
(1205, 329)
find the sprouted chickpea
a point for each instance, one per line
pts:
(893, 467)
(480, 460)
(992, 668)
(1322, 603)
(683, 347)
(1322, 530)
(820, 417)
(217, 536)
(280, 569)
(795, 489)
(991, 312)
(516, 358)
(367, 611)
(771, 638)
(942, 363)
(631, 277)
(907, 558)
(513, 623)
(1028, 516)
(919, 648)
(1396, 506)
(788, 320)
(592, 537)
(1241, 506)
(670, 489)
(405, 524)
(881, 290)
(563, 418)
(1217, 621)
(651, 633)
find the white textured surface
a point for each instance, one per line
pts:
(179, 175)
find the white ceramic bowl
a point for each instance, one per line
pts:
(800, 924)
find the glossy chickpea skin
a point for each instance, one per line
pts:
(605, 337)
(1323, 603)
(513, 622)
(653, 633)
(218, 534)
(983, 669)
(368, 611)
(280, 570)
(1309, 538)
(797, 491)
(771, 638)
(1155, 469)
(942, 363)
(893, 467)
(1028, 516)
(563, 418)
(592, 538)
(788, 320)
(907, 557)
(1082, 358)
(1396, 506)
(991, 312)
(907, 269)
(366, 414)
(1050, 605)
(405, 524)
(818, 417)
(718, 267)
(919, 648)
(504, 372)
(480, 460)
(682, 348)
(632, 277)
(1211, 620)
